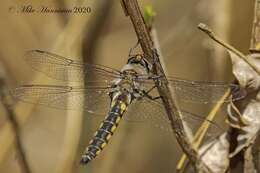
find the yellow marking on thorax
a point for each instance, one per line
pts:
(122, 107)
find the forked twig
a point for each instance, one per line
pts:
(203, 27)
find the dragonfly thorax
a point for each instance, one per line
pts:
(129, 80)
(128, 85)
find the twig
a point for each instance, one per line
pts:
(17, 132)
(210, 33)
(132, 9)
(155, 39)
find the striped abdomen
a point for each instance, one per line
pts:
(108, 126)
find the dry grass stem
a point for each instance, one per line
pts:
(210, 33)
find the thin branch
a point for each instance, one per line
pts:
(210, 33)
(22, 159)
(132, 9)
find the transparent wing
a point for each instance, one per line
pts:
(153, 113)
(204, 92)
(196, 91)
(65, 69)
(146, 111)
(94, 100)
(97, 102)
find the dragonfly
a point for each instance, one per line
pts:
(130, 91)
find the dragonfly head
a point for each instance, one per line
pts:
(138, 59)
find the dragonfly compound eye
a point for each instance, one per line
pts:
(139, 59)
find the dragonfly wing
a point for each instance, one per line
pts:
(65, 69)
(196, 91)
(148, 111)
(94, 100)
(153, 112)
(204, 92)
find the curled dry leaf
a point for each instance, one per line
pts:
(215, 154)
(235, 119)
(250, 81)
(248, 133)
(246, 76)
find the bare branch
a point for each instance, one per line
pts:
(132, 9)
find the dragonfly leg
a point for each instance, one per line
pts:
(132, 49)
(156, 59)
(146, 93)
(156, 98)
(152, 97)
(155, 56)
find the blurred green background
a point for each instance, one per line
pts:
(54, 139)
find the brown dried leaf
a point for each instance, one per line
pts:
(235, 119)
(250, 81)
(215, 155)
(246, 76)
